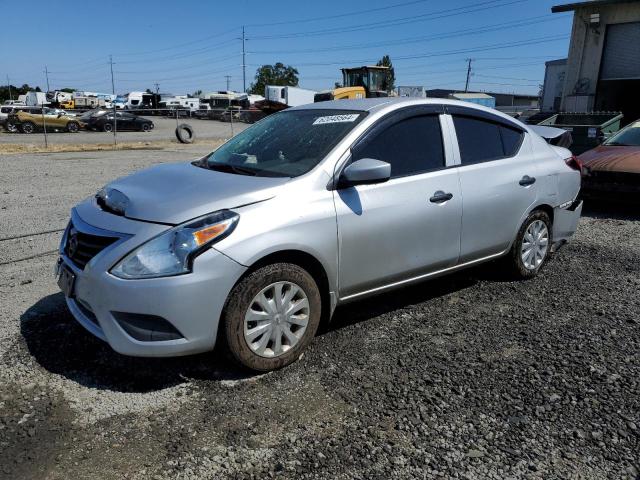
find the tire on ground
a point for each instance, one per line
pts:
(107, 127)
(185, 133)
(73, 127)
(28, 127)
(239, 300)
(513, 262)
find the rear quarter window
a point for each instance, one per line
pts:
(483, 141)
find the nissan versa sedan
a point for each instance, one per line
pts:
(254, 245)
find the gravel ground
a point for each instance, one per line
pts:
(468, 376)
(164, 130)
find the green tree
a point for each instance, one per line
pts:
(390, 81)
(278, 74)
(15, 91)
(68, 90)
(197, 93)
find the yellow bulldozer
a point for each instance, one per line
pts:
(359, 82)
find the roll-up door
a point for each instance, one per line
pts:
(620, 59)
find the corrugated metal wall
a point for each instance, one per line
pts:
(621, 56)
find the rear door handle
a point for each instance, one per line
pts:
(441, 197)
(527, 180)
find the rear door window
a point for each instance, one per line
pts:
(412, 146)
(482, 140)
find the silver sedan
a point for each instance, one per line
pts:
(253, 246)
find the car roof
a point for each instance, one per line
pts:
(383, 103)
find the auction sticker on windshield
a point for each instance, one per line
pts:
(336, 119)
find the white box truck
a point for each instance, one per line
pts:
(36, 99)
(288, 96)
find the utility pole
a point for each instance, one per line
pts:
(466, 85)
(244, 64)
(113, 91)
(157, 85)
(228, 77)
(9, 85)
(46, 72)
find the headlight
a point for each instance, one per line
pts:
(172, 252)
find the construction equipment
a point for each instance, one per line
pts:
(360, 82)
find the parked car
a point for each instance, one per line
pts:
(123, 121)
(38, 118)
(613, 169)
(255, 244)
(6, 110)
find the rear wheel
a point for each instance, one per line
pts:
(532, 246)
(271, 316)
(73, 127)
(107, 127)
(28, 127)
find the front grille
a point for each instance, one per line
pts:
(81, 247)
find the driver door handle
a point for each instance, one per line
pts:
(527, 180)
(441, 197)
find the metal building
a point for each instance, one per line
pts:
(554, 74)
(603, 67)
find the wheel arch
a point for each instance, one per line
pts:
(312, 265)
(546, 208)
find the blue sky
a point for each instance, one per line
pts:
(189, 45)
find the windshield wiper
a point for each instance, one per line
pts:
(228, 168)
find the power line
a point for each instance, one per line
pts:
(341, 15)
(484, 48)
(487, 5)
(181, 45)
(438, 36)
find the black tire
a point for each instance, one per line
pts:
(107, 127)
(513, 261)
(12, 128)
(185, 133)
(73, 127)
(240, 298)
(28, 127)
(145, 127)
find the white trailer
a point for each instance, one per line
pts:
(36, 99)
(288, 96)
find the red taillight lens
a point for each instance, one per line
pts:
(574, 163)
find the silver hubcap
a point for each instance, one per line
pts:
(535, 244)
(276, 319)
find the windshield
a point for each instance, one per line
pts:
(285, 144)
(628, 136)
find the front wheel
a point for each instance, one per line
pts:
(145, 127)
(73, 127)
(532, 246)
(271, 316)
(107, 127)
(28, 127)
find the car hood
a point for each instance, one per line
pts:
(612, 159)
(175, 193)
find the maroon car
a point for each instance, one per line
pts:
(613, 168)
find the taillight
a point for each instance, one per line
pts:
(574, 163)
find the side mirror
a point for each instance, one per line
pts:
(365, 171)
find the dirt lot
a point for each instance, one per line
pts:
(468, 376)
(164, 130)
